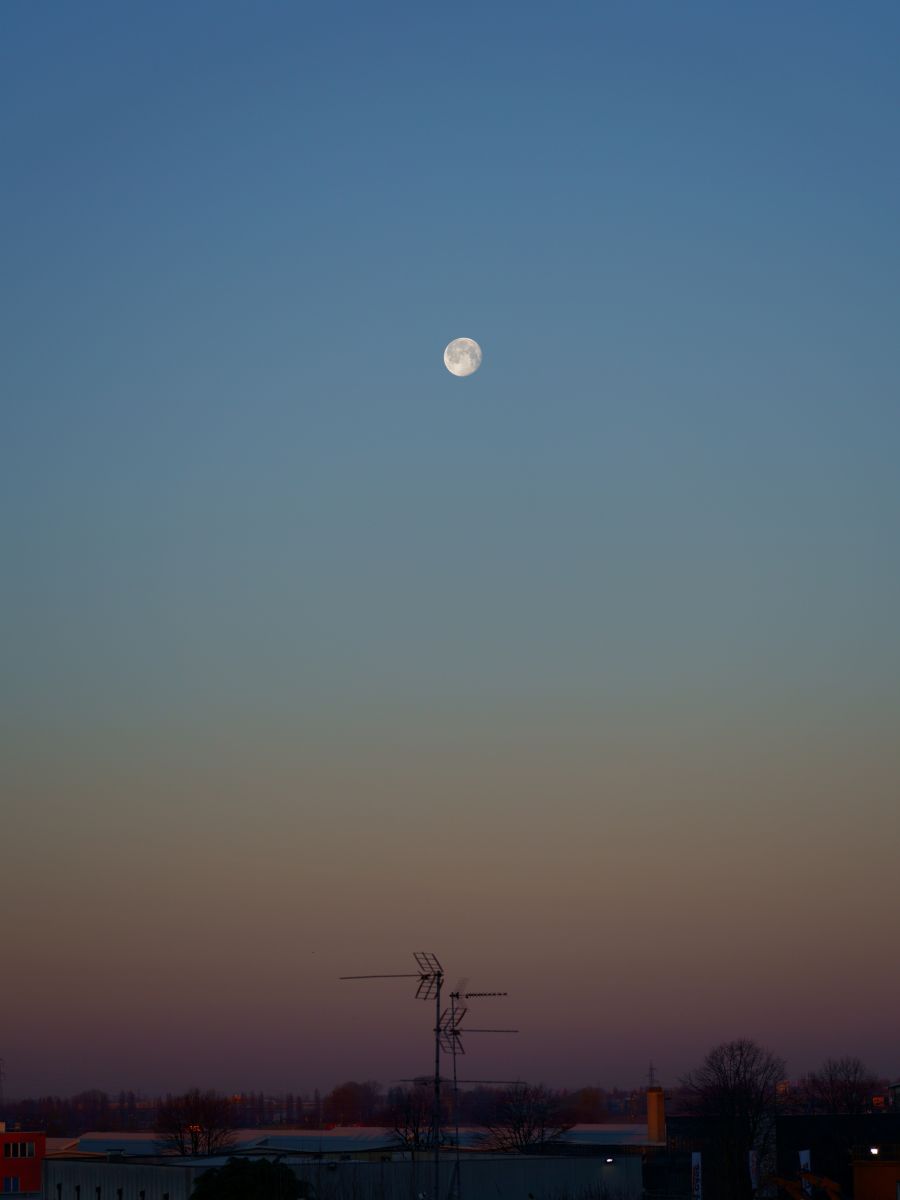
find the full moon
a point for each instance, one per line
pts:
(462, 357)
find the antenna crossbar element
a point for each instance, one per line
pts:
(450, 1020)
(459, 1031)
(431, 976)
(508, 1082)
(428, 963)
(405, 975)
(451, 1044)
(449, 1028)
(428, 1080)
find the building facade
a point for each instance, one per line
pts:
(480, 1177)
(21, 1157)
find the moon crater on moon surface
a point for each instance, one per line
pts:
(462, 356)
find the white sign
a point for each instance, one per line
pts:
(696, 1175)
(753, 1167)
(804, 1166)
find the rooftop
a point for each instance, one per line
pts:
(340, 1140)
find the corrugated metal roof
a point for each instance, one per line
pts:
(340, 1140)
(606, 1135)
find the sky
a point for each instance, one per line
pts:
(582, 673)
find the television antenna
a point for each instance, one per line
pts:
(431, 979)
(447, 1038)
(450, 1037)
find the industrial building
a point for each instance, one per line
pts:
(474, 1177)
(363, 1164)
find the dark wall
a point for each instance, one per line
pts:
(831, 1141)
(726, 1168)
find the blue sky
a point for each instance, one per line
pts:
(249, 518)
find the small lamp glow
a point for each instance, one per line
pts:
(609, 1160)
(873, 1149)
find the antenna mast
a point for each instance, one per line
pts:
(431, 979)
(451, 1043)
(447, 1037)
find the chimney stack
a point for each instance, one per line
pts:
(656, 1115)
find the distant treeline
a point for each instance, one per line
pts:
(842, 1085)
(350, 1103)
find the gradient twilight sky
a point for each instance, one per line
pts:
(584, 672)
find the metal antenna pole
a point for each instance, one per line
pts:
(431, 977)
(447, 1037)
(436, 1115)
(430, 984)
(451, 1043)
(454, 996)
